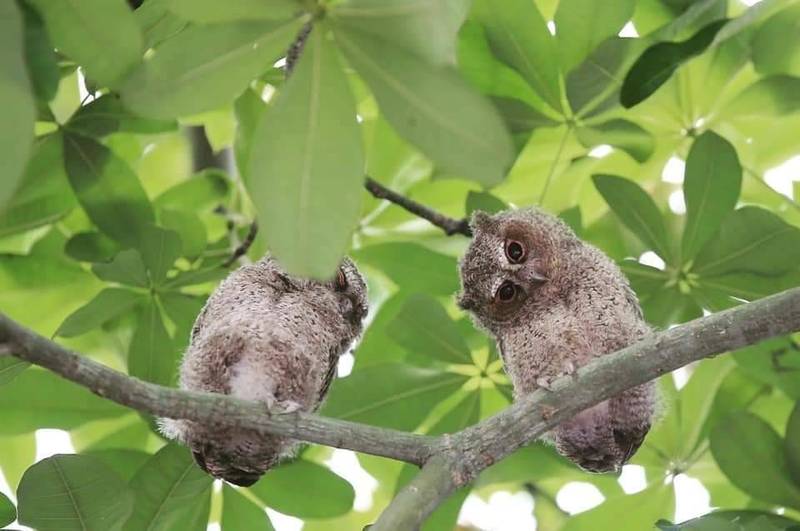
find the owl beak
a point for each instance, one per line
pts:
(535, 278)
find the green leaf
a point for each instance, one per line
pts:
(151, 355)
(17, 453)
(108, 304)
(637, 211)
(426, 29)
(640, 510)
(124, 461)
(753, 240)
(733, 520)
(10, 368)
(423, 327)
(40, 55)
(774, 96)
(66, 492)
(204, 190)
(792, 443)
(189, 228)
(774, 362)
(65, 405)
(8, 513)
(107, 188)
(432, 108)
(210, 11)
(657, 64)
(519, 37)
(126, 268)
(205, 67)
(711, 188)
(314, 168)
(238, 512)
(91, 247)
(100, 35)
(43, 195)
(581, 25)
(390, 395)
(169, 488)
(249, 109)
(484, 202)
(420, 270)
(197, 276)
(278, 489)
(159, 249)
(627, 136)
(19, 112)
(776, 44)
(157, 22)
(106, 115)
(751, 454)
(182, 310)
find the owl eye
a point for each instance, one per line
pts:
(341, 280)
(515, 251)
(506, 292)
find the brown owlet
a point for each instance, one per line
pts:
(552, 303)
(268, 337)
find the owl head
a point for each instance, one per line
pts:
(514, 260)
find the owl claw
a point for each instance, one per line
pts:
(289, 406)
(544, 383)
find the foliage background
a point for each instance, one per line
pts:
(111, 239)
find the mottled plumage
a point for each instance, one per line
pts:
(553, 302)
(268, 337)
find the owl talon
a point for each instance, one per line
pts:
(289, 406)
(545, 384)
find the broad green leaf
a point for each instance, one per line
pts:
(238, 512)
(100, 35)
(484, 202)
(711, 188)
(753, 240)
(107, 189)
(573, 217)
(189, 227)
(279, 488)
(10, 368)
(91, 247)
(19, 112)
(773, 96)
(43, 195)
(640, 510)
(17, 453)
(751, 454)
(126, 268)
(108, 304)
(38, 399)
(519, 37)
(123, 461)
(637, 210)
(420, 270)
(391, 395)
(581, 25)
(159, 249)
(427, 29)
(67, 492)
(776, 44)
(627, 136)
(774, 362)
(249, 109)
(182, 310)
(157, 22)
(196, 276)
(433, 108)
(314, 168)
(754, 15)
(733, 521)
(792, 443)
(106, 115)
(211, 11)
(204, 190)
(168, 488)
(8, 513)
(423, 327)
(205, 67)
(151, 355)
(657, 64)
(40, 55)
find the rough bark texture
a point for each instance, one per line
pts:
(450, 461)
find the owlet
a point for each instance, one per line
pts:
(553, 302)
(268, 337)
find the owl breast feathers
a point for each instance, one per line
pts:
(553, 302)
(268, 337)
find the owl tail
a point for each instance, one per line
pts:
(241, 460)
(228, 472)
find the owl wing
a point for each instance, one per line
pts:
(333, 359)
(633, 300)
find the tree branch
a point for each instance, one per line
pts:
(449, 225)
(451, 461)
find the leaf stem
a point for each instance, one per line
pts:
(554, 164)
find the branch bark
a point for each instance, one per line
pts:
(450, 461)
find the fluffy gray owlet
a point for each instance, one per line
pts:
(268, 337)
(552, 302)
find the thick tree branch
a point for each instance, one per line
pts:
(449, 225)
(451, 461)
